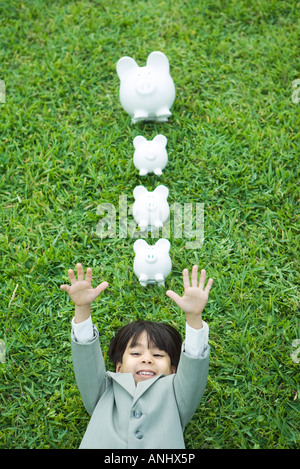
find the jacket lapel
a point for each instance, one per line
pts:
(143, 386)
(127, 382)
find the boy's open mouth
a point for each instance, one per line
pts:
(146, 373)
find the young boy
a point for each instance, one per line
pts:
(158, 382)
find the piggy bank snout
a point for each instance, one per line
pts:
(145, 83)
(150, 155)
(151, 257)
(151, 204)
(145, 87)
(150, 152)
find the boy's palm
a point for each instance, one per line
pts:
(81, 290)
(195, 295)
(191, 301)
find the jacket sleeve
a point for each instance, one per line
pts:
(190, 383)
(89, 369)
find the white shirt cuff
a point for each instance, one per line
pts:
(196, 340)
(83, 331)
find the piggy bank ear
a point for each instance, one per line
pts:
(162, 191)
(139, 245)
(164, 244)
(159, 61)
(138, 191)
(126, 65)
(161, 139)
(139, 140)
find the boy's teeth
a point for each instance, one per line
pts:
(146, 373)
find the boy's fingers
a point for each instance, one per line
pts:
(89, 274)
(80, 274)
(171, 294)
(194, 276)
(71, 276)
(185, 277)
(65, 287)
(202, 279)
(209, 285)
(101, 287)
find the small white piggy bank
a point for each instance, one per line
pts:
(150, 209)
(150, 156)
(146, 93)
(152, 264)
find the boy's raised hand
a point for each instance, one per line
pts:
(81, 291)
(195, 296)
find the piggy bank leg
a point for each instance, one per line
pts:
(158, 171)
(160, 280)
(163, 113)
(139, 115)
(143, 172)
(158, 224)
(143, 225)
(143, 280)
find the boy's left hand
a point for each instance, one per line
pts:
(195, 296)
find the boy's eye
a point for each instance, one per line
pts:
(135, 354)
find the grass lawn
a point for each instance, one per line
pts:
(233, 145)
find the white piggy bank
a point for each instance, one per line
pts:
(152, 264)
(146, 93)
(150, 209)
(150, 156)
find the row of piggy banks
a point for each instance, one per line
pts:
(151, 210)
(147, 94)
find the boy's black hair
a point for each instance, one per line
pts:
(161, 335)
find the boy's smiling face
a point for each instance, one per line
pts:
(144, 360)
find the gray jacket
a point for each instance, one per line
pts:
(151, 415)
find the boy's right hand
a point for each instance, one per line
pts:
(82, 292)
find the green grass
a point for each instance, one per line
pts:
(233, 144)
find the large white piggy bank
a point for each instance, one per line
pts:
(150, 156)
(152, 264)
(150, 209)
(146, 93)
